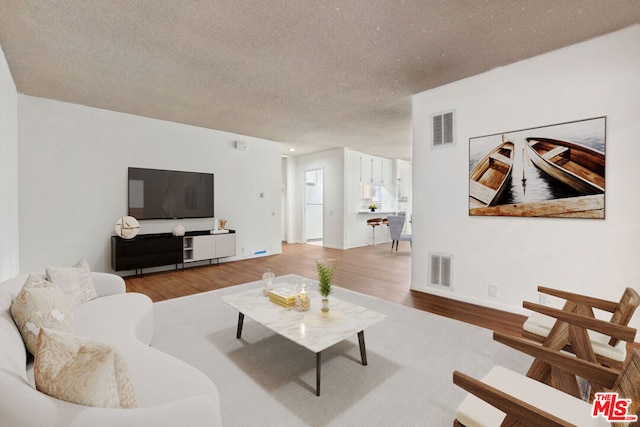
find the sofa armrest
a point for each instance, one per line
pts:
(196, 411)
(108, 284)
(25, 406)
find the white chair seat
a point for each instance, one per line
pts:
(539, 324)
(474, 412)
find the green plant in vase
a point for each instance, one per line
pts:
(326, 271)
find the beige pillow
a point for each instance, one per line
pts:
(83, 371)
(76, 282)
(40, 304)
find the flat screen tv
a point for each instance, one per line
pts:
(166, 194)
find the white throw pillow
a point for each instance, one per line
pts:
(83, 371)
(40, 304)
(75, 282)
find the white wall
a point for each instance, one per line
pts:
(405, 191)
(9, 244)
(73, 164)
(595, 257)
(332, 163)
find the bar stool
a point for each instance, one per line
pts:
(385, 221)
(373, 223)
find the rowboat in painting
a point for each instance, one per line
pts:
(580, 167)
(491, 175)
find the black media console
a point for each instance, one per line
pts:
(155, 250)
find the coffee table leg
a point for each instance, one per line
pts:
(318, 363)
(240, 323)
(363, 350)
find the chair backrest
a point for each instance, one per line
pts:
(627, 384)
(395, 222)
(626, 307)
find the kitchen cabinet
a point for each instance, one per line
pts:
(365, 168)
(376, 170)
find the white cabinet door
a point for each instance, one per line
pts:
(225, 245)
(204, 247)
(365, 168)
(381, 171)
(376, 170)
(404, 174)
(387, 173)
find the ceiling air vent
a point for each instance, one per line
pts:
(440, 270)
(443, 125)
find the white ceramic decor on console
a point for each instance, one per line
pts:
(127, 227)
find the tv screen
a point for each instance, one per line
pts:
(165, 194)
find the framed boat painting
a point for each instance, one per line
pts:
(555, 171)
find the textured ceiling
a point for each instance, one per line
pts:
(313, 75)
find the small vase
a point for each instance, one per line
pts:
(325, 305)
(303, 303)
(373, 209)
(267, 282)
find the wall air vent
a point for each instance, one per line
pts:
(440, 270)
(443, 129)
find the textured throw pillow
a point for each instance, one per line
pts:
(83, 371)
(75, 282)
(40, 304)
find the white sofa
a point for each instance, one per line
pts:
(169, 392)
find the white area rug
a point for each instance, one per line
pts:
(266, 380)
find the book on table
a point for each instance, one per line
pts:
(283, 304)
(285, 297)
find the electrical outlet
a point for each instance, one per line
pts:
(493, 291)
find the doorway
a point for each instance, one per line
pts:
(314, 206)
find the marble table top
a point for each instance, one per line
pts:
(289, 322)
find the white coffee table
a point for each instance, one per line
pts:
(291, 324)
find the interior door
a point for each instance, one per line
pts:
(314, 205)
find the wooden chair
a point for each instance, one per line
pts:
(609, 350)
(506, 398)
(571, 331)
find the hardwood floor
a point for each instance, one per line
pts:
(370, 270)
